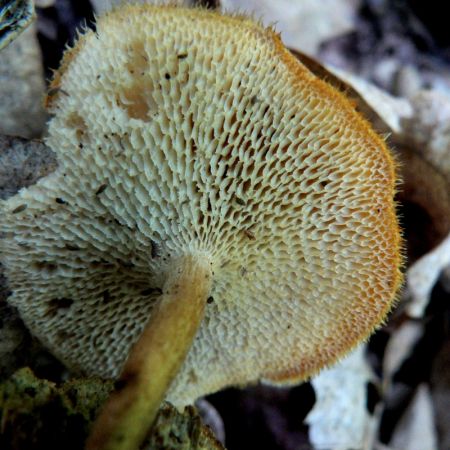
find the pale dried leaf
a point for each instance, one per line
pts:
(303, 24)
(22, 163)
(416, 429)
(440, 390)
(22, 87)
(425, 187)
(428, 131)
(211, 418)
(422, 276)
(428, 128)
(391, 110)
(399, 347)
(339, 419)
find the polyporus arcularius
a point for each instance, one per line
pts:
(213, 197)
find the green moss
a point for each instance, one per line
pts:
(175, 431)
(37, 414)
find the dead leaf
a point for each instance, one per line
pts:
(416, 429)
(399, 348)
(340, 419)
(303, 24)
(22, 87)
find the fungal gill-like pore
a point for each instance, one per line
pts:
(200, 164)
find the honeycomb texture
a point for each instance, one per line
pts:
(186, 132)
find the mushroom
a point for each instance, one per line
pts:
(218, 214)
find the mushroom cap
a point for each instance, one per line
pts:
(187, 132)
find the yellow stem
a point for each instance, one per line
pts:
(155, 359)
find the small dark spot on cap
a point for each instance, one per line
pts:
(72, 247)
(127, 264)
(239, 201)
(56, 90)
(210, 300)
(101, 189)
(151, 291)
(243, 271)
(106, 295)
(61, 302)
(155, 251)
(45, 265)
(193, 378)
(62, 335)
(52, 91)
(19, 209)
(103, 264)
(167, 76)
(182, 56)
(58, 304)
(249, 234)
(60, 201)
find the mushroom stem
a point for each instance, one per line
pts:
(155, 359)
